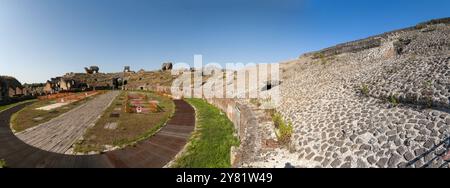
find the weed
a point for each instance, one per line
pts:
(364, 89)
(284, 129)
(393, 100)
(2, 163)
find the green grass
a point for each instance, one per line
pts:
(393, 100)
(210, 144)
(8, 106)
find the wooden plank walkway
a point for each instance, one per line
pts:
(154, 152)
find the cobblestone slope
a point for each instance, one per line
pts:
(386, 106)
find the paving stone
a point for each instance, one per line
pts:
(402, 165)
(428, 144)
(390, 133)
(401, 150)
(394, 160)
(412, 121)
(353, 137)
(408, 126)
(339, 143)
(346, 165)
(318, 158)
(397, 142)
(326, 162)
(422, 122)
(324, 147)
(380, 154)
(308, 150)
(418, 164)
(365, 147)
(382, 162)
(419, 152)
(420, 138)
(407, 142)
(348, 158)
(371, 160)
(335, 163)
(309, 156)
(360, 164)
(408, 156)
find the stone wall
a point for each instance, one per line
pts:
(370, 42)
(350, 47)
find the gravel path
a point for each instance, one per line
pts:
(60, 133)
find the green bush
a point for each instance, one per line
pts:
(2, 163)
(283, 130)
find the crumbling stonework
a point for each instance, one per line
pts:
(166, 66)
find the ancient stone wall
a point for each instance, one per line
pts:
(370, 42)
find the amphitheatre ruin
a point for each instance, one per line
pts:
(381, 102)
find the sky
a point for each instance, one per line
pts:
(40, 39)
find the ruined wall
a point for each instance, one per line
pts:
(370, 42)
(350, 47)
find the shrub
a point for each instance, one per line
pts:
(323, 60)
(393, 100)
(2, 163)
(283, 130)
(255, 102)
(365, 90)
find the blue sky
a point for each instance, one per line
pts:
(40, 39)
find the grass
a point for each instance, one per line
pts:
(364, 89)
(255, 102)
(25, 118)
(132, 127)
(2, 163)
(210, 144)
(393, 100)
(8, 106)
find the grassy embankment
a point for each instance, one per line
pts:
(210, 144)
(8, 106)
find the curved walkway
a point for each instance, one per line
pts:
(154, 152)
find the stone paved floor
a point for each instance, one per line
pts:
(60, 133)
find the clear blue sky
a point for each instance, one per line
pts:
(40, 39)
